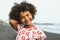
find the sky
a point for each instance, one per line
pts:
(48, 11)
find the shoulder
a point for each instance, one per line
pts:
(40, 33)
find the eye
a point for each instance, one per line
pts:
(27, 15)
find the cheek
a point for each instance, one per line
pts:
(30, 17)
(22, 20)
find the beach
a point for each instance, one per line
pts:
(52, 36)
(8, 33)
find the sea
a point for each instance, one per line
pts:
(49, 27)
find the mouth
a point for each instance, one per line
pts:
(27, 22)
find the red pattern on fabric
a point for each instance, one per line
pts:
(39, 33)
(32, 32)
(23, 31)
(33, 36)
(27, 33)
(23, 38)
(35, 28)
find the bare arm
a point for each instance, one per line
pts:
(13, 23)
(39, 39)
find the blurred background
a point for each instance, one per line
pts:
(47, 18)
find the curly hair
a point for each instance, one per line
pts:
(23, 6)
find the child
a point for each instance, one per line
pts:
(21, 17)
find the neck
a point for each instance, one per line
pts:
(27, 26)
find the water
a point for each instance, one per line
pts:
(50, 28)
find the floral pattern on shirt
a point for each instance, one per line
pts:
(29, 33)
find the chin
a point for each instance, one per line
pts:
(27, 24)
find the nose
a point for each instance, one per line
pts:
(26, 18)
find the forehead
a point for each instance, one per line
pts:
(24, 13)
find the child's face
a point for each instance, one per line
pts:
(26, 18)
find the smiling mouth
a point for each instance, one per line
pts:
(27, 22)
